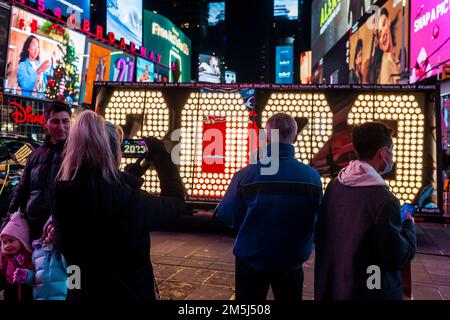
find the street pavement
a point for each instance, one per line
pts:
(200, 266)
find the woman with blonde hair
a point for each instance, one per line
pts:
(102, 224)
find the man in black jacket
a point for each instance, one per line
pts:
(33, 195)
(361, 242)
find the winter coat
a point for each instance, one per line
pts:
(33, 195)
(359, 228)
(274, 214)
(49, 280)
(103, 228)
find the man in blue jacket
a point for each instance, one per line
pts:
(274, 215)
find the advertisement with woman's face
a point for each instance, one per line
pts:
(35, 62)
(378, 49)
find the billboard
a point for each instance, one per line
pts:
(285, 9)
(43, 58)
(122, 67)
(305, 67)
(331, 20)
(145, 70)
(216, 13)
(124, 19)
(81, 8)
(4, 28)
(378, 49)
(209, 69)
(430, 33)
(173, 46)
(230, 76)
(98, 67)
(284, 60)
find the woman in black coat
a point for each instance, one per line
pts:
(102, 224)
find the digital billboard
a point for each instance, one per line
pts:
(81, 8)
(98, 68)
(331, 20)
(4, 28)
(124, 19)
(122, 67)
(172, 46)
(379, 49)
(284, 60)
(285, 9)
(216, 13)
(44, 58)
(305, 67)
(209, 69)
(430, 37)
(145, 70)
(230, 76)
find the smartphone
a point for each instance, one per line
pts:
(407, 207)
(134, 148)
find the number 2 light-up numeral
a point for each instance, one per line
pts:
(408, 144)
(155, 122)
(313, 107)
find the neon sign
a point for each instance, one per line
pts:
(86, 28)
(25, 115)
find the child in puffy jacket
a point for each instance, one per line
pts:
(49, 280)
(15, 254)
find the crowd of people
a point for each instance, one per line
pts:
(74, 207)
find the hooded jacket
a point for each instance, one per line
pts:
(358, 230)
(49, 278)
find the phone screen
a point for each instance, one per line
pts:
(407, 207)
(133, 148)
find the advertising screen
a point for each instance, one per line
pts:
(44, 58)
(285, 9)
(171, 46)
(430, 37)
(4, 23)
(209, 69)
(305, 67)
(331, 20)
(145, 70)
(124, 18)
(216, 13)
(230, 76)
(81, 8)
(98, 68)
(284, 65)
(379, 57)
(122, 67)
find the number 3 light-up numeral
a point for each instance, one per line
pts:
(155, 123)
(408, 144)
(315, 109)
(214, 131)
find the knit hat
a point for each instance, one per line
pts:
(17, 227)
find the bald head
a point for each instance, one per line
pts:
(286, 125)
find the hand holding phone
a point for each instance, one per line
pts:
(407, 211)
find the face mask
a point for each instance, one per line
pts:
(388, 168)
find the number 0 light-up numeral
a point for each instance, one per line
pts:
(155, 123)
(221, 113)
(408, 149)
(313, 107)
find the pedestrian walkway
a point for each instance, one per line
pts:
(201, 266)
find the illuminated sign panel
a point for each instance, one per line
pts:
(284, 69)
(213, 140)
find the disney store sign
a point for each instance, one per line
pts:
(25, 115)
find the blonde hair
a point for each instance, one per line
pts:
(88, 145)
(115, 135)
